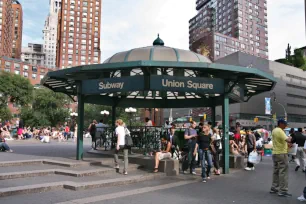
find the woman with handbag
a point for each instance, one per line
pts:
(216, 150)
(205, 145)
(120, 133)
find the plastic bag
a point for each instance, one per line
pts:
(293, 149)
(254, 158)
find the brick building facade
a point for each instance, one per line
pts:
(78, 33)
(222, 27)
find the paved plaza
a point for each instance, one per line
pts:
(100, 184)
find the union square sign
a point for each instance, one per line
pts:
(154, 83)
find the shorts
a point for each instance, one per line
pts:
(19, 132)
(165, 156)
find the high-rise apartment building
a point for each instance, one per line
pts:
(50, 33)
(17, 29)
(222, 27)
(33, 54)
(79, 33)
(6, 28)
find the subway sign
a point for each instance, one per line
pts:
(154, 83)
(187, 84)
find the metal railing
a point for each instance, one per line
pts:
(145, 139)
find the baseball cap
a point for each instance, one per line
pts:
(282, 121)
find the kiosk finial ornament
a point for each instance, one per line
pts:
(158, 41)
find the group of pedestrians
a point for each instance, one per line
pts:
(281, 159)
(203, 145)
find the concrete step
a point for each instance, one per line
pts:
(62, 195)
(56, 182)
(43, 170)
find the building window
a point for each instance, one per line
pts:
(217, 53)
(34, 76)
(25, 74)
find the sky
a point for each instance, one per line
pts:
(136, 23)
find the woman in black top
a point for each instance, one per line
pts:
(205, 143)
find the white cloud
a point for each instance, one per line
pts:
(286, 24)
(136, 23)
(128, 24)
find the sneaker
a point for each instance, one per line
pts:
(208, 178)
(285, 194)
(194, 173)
(248, 169)
(253, 168)
(273, 191)
(116, 166)
(297, 168)
(204, 181)
(185, 172)
(301, 198)
(125, 173)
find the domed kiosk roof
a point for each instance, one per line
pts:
(157, 52)
(159, 77)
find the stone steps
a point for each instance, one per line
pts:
(76, 186)
(32, 176)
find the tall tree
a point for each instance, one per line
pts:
(48, 108)
(298, 58)
(15, 89)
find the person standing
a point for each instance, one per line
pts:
(67, 130)
(120, 133)
(190, 135)
(72, 129)
(250, 142)
(216, 150)
(205, 143)
(92, 131)
(299, 138)
(20, 129)
(280, 160)
(148, 122)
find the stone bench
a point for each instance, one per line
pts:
(168, 166)
(235, 162)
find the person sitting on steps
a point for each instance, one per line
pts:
(165, 154)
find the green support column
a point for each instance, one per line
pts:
(225, 124)
(113, 124)
(113, 115)
(213, 116)
(79, 155)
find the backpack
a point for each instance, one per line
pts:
(128, 138)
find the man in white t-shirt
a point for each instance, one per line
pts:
(120, 133)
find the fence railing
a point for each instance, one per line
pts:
(145, 139)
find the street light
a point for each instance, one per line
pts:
(105, 113)
(73, 114)
(274, 99)
(130, 111)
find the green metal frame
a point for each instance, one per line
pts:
(70, 81)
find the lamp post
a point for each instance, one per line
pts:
(130, 111)
(274, 99)
(105, 113)
(73, 116)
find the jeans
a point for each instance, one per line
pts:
(280, 173)
(126, 157)
(216, 160)
(300, 159)
(5, 146)
(206, 156)
(250, 165)
(72, 134)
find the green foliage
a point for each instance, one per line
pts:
(93, 112)
(15, 89)
(48, 109)
(298, 58)
(284, 61)
(5, 114)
